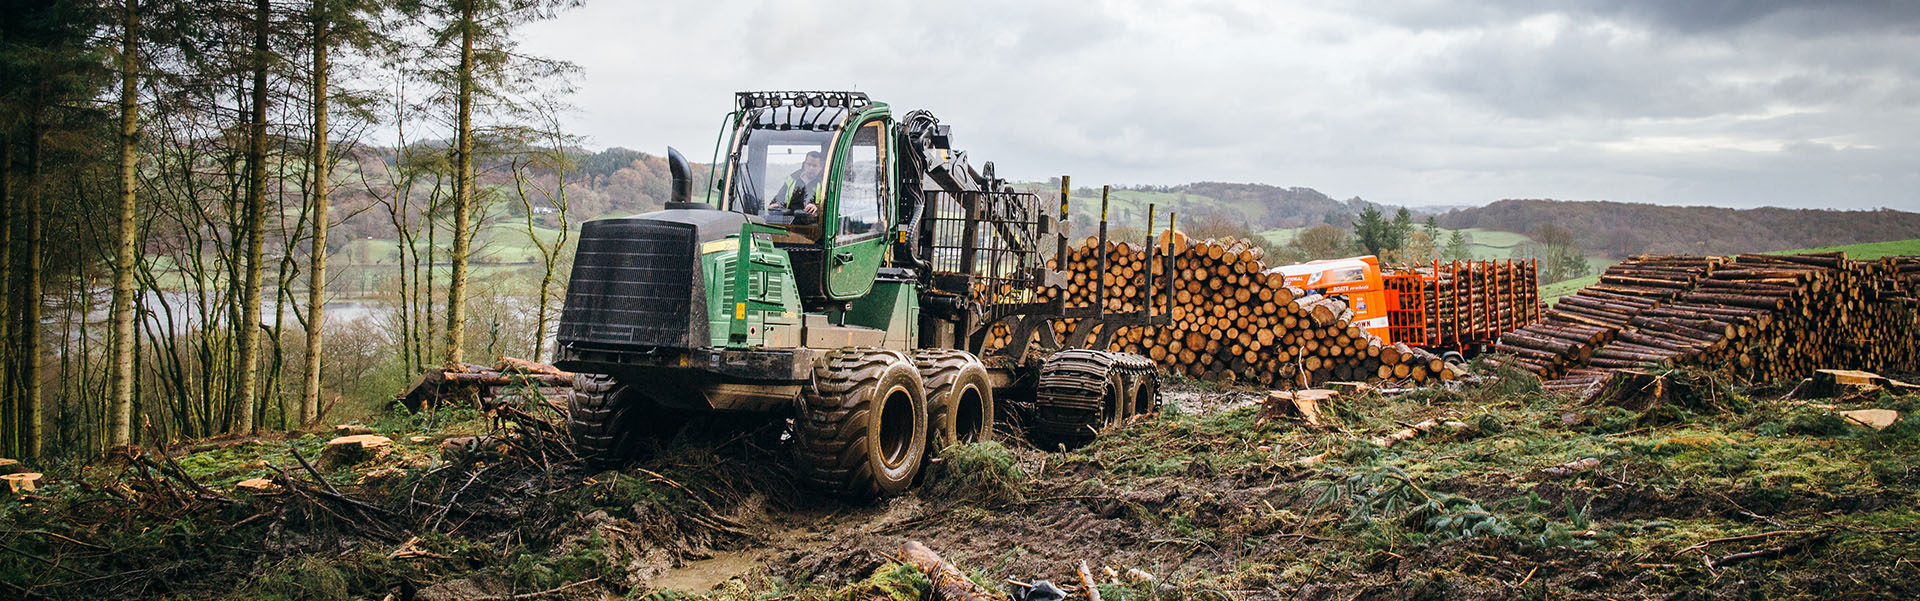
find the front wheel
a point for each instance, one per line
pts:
(862, 432)
(608, 421)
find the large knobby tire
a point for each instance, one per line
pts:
(862, 431)
(600, 419)
(959, 398)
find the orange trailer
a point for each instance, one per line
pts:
(1454, 306)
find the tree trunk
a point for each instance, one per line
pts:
(248, 329)
(9, 393)
(462, 191)
(121, 379)
(32, 443)
(317, 274)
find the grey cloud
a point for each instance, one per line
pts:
(1422, 102)
(1800, 16)
(1796, 17)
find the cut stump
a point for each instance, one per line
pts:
(354, 450)
(1302, 404)
(22, 483)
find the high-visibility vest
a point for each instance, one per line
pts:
(786, 190)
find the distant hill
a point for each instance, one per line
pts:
(1271, 207)
(1621, 229)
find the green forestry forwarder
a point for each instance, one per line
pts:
(844, 273)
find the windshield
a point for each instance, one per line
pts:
(779, 164)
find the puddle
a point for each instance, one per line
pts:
(703, 575)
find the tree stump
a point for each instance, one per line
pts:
(1302, 404)
(354, 450)
(22, 483)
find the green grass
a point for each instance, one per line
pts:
(1281, 236)
(1859, 252)
(498, 242)
(1866, 252)
(1552, 292)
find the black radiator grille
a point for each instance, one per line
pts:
(635, 283)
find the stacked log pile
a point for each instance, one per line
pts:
(1472, 302)
(1764, 317)
(1229, 320)
(1578, 329)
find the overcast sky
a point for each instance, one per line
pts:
(1721, 102)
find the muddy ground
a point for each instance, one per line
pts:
(1717, 492)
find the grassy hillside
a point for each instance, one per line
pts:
(1869, 251)
(1625, 229)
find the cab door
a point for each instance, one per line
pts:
(856, 238)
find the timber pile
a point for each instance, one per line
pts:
(1473, 302)
(1562, 347)
(1764, 317)
(1230, 321)
(484, 386)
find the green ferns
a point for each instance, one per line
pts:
(1386, 494)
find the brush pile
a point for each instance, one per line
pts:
(1230, 321)
(1764, 317)
(509, 381)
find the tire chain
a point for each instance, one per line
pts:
(1069, 400)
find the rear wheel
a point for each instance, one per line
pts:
(1082, 393)
(1146, 393)
(1074, 397)
(862, 432)
(959, 398)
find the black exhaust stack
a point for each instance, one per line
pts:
(682, 182)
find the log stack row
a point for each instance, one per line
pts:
(1229, 321)
(1563, 346)
(1763, 317)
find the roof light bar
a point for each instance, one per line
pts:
(753, 100)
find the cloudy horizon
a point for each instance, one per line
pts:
(1423, 103)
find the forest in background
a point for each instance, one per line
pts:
(170, 168)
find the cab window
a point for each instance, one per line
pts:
(1347, 276)
(861, 193)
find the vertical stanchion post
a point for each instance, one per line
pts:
(1168, 261)
(1146, 290)
(1060, 254)
(1100, 279)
